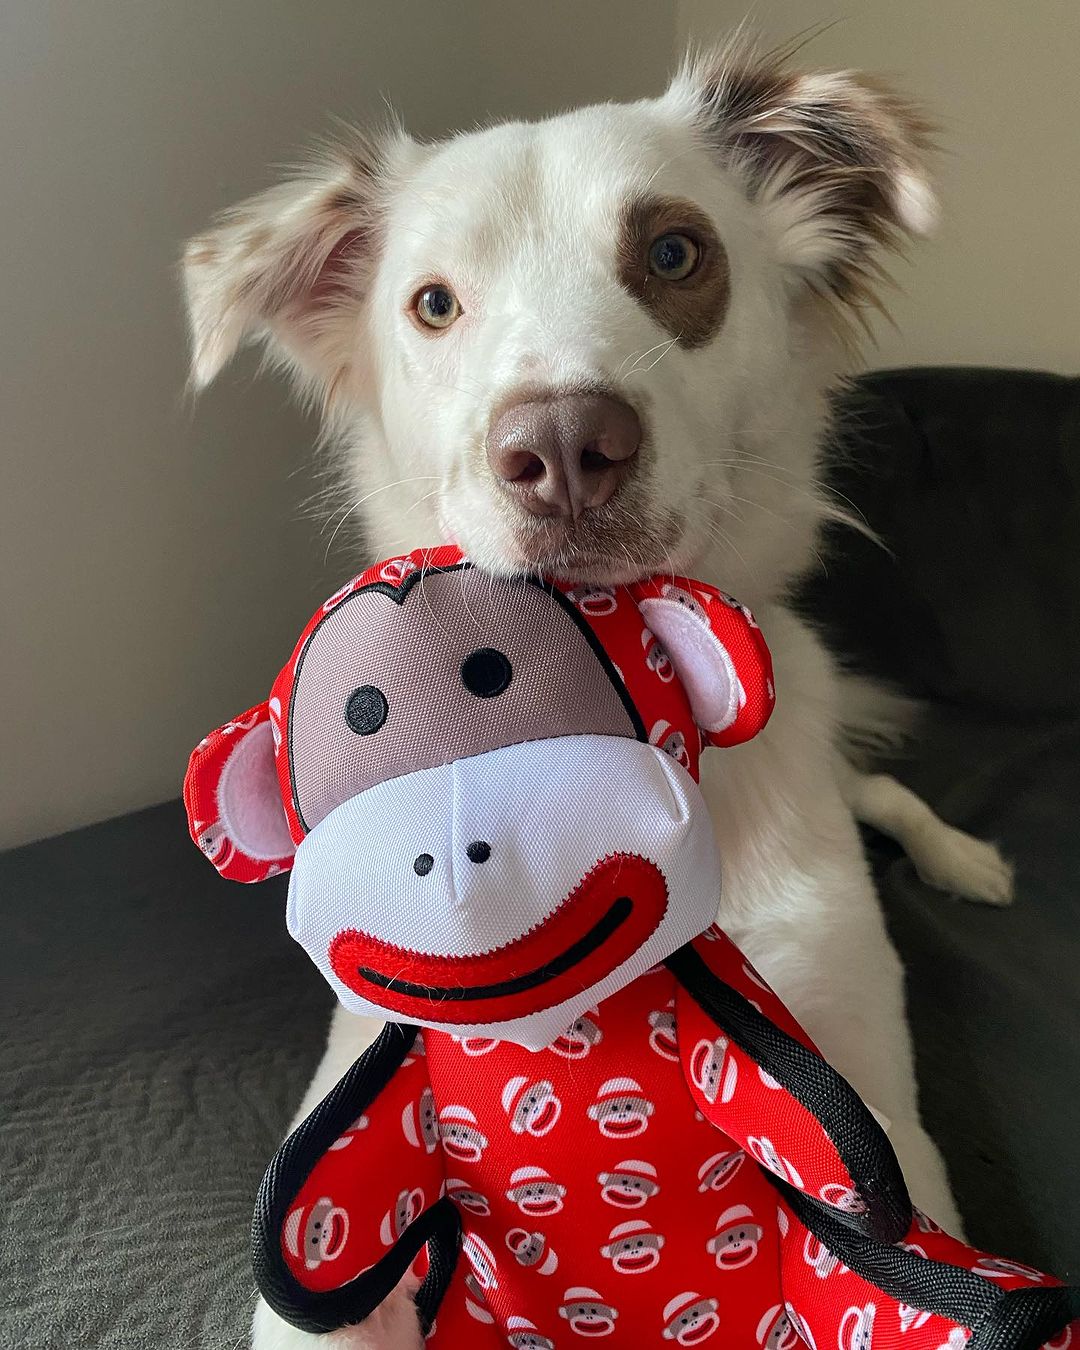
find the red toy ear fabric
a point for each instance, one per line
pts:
(233, 799)
(718, 653)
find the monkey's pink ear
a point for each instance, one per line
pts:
(718, 654)
(233, 799)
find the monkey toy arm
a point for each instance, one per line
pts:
(859, 1266)
(322, 1256)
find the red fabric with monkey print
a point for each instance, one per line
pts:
(609, 1128)
(631, 1209)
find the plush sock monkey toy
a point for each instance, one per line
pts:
(588, 1118)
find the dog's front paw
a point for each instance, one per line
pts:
(393, 1327)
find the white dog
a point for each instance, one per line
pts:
(600, 345)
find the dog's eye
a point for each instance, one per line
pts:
(437, 307)
(673, 256)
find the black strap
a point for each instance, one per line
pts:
(999, 1319)
(439, 1225)
(860, 1141)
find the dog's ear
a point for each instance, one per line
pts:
(837, 159)
(292, 264)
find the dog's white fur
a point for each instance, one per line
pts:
(521, 219)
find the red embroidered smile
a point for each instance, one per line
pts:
(611, 912)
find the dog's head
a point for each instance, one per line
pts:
(592, 344)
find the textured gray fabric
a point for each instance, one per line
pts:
(159, 1028)
(994, 995)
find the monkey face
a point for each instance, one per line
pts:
(777, 1332)
(532, 1250)
(656, 659)
(691, 1322)
(843, 1197)
(482, 1259)
(671, 741)
(996, 1266)
(419, 1122)
(587, 1313)
(533, 1108)
(467, 1199)
(528, 1338)
(528, 1248)
(214, 842)
(535, 1193)
(318, 1236)
(629, 1186)
(461, 1139)
(735, 1243)
(621, 1110)
(682, 597)
(406, 1208)
(578, 1039)
(633, 1248)
(712, 1071)
(715, 1172)
(764, 1151)
(476, 1300)
(594, 600)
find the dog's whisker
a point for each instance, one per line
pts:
(638, 356)
(355, 506)
(667, 346)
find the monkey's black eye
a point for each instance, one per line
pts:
(486, 672)
(366, 709)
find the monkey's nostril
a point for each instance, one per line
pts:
(478, 851)
(423, 864)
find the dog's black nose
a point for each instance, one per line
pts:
(478, 851)
(566, 455)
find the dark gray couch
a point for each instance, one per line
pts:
(159, 1026)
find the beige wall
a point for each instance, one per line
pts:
(154, 564)
(1000, 283)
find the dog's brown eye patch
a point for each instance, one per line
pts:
(690, 307)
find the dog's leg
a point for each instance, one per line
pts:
(944, 857)
(394, 1326)
(799, 899)
(875, 720)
